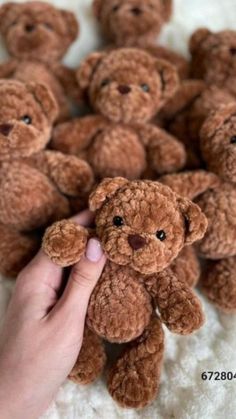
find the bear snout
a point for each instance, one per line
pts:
(124, 89)
(29, 28)
(136, 242)
(5, 129)
(136, 11)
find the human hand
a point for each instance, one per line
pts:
(43, 331)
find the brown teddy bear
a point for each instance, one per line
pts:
(132, 22)
(126, 87)
(35, 184)
(218, 148)
(184, 114)
(218, 202)
(137, 23)
(37, 36)
(142, 226)
(213, 58)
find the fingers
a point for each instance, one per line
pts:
(84, 218)
(41, 272)
(82, 280)
(37, 287)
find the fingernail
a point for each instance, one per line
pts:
(94, 250)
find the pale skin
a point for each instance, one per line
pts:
(43, 330)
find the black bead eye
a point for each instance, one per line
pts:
(118, 221)
(233, 139)
(105, 82)
(115, 8)
(145, 87)
(161, 235)
(26, 119)
(233, 51)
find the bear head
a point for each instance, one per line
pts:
(127, 85)
(37, 30)
(27, 113)
(144, 224)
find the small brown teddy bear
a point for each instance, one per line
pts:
(126, 87)
(184, 114)
(142, 226)
(218, 142)
(213, 58)
(37, 36)
(35, 184)
(136, 23)
(218, 202)
(132, 22)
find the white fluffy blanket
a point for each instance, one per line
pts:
(183, 394)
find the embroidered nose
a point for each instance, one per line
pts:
(136, 242)
(29, 28)
(136, 11)
(5, 129)
(123, 89)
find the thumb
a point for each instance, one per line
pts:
(83, 278)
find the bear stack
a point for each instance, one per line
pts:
(153, 157)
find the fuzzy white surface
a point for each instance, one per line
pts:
(183, 395)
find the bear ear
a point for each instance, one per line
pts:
(97, 8)
(167, 9)
(169, 78)
(46, 100)
(86, 69)
(105, 190)
(7, 10)
(72, 25)
(195, 221)
(216, 120)
(197, 38)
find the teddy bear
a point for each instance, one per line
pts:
(35, 184)
(125, 87)
(219, 245)
(37, 36)
(137, 23)
(218, 202)
(142, 226)
(213, 58)
(184, 114)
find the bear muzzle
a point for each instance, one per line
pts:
(136, 242)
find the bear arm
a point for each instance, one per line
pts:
(179, 307)
(75, 136)
(191, 184)
(165, 153)
(72, 176)
(8, 69)
(67, 78)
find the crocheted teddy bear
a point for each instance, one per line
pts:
(137, 23)
(218, 145)
(126, 87)
(218, 142)
(184, 114)
(35, 184)
(213, 58)
(37, 36)
(142, 226)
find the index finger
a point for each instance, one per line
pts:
(84, 218)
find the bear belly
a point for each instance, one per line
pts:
(28, 199)
(120, 308)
